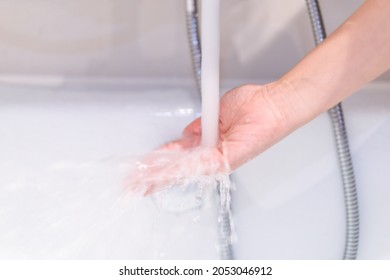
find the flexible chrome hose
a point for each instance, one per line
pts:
(344, 154)
(224, 222)
(194, 41)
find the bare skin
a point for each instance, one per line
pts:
(254, 117)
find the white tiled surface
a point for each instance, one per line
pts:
(147, 38)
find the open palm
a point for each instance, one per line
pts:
(249, 123)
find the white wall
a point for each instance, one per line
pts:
(147, 38)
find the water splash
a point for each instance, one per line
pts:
(182, 199)
(226, 232)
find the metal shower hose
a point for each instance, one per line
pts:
(343, 151)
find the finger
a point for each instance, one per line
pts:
(194, 129)
(171, 146)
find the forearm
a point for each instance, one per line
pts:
(352, 56)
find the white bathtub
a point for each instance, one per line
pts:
(65, 150)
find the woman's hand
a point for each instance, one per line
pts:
(250, 121)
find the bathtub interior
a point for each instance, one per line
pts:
(89, 87)
(67, 150)
(65, 158)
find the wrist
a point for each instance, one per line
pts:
(289, 97)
